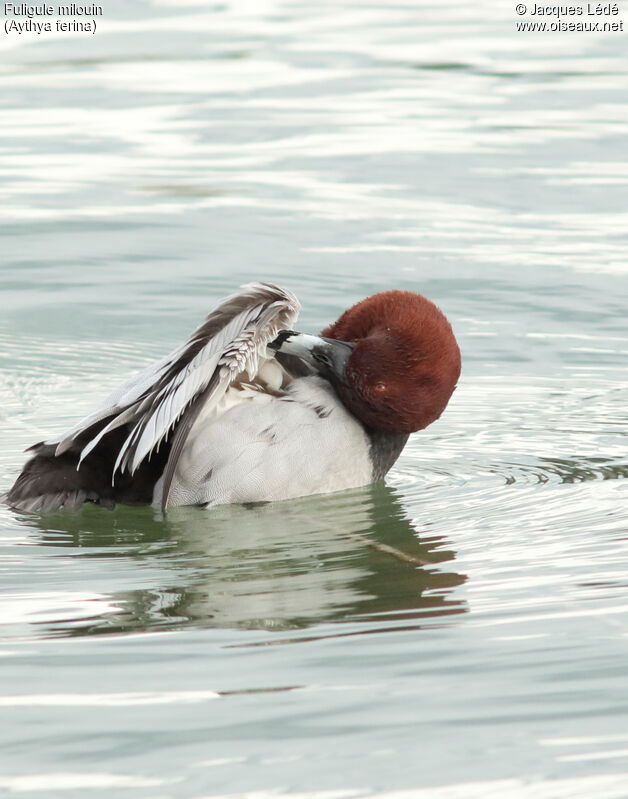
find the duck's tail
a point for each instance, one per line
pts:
(49, 482)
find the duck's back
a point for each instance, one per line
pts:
(119, 452)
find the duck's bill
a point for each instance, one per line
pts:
(324, 356)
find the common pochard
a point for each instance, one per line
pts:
(248, 410)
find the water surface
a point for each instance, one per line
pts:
(338, 149)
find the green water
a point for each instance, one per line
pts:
(338, 149)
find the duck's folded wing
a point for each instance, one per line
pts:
(197, 374)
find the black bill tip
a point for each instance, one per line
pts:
(283, 336)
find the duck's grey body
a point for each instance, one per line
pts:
(266, 445)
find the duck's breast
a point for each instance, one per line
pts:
(268, 446)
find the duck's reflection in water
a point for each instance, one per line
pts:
(275, 566)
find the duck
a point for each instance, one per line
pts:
(248, 410)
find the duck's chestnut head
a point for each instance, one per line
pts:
(392, 358)
(404, 365)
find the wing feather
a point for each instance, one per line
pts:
(228, 343)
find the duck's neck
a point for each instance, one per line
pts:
(385, 449)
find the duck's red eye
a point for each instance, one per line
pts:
(380, 387)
